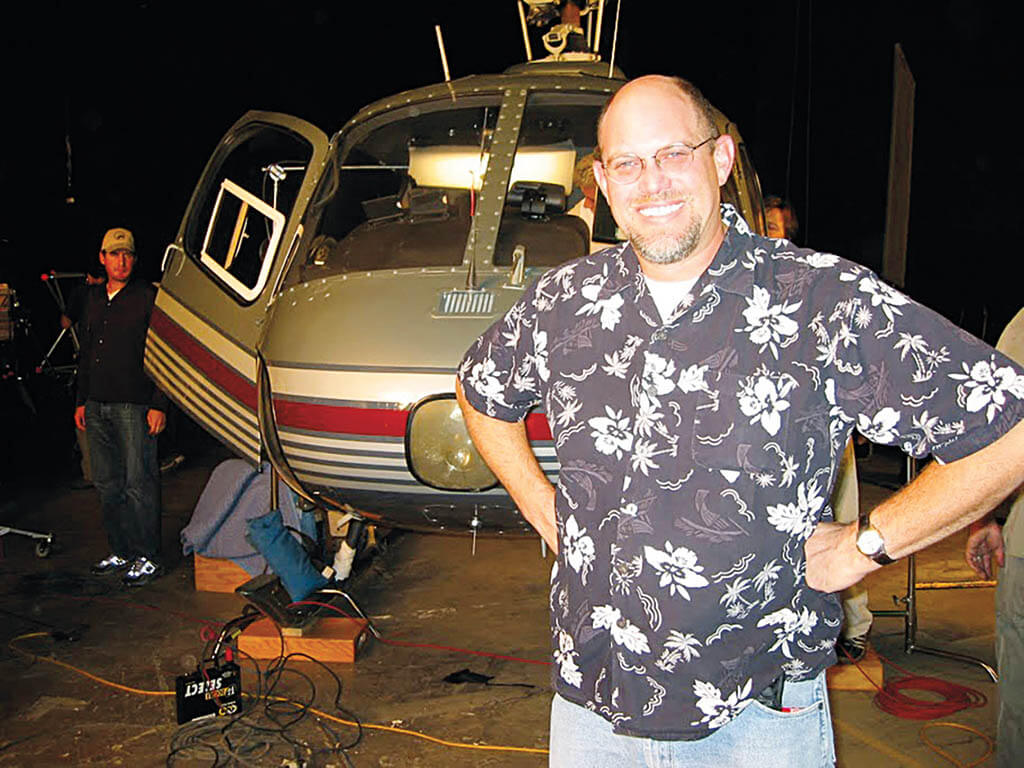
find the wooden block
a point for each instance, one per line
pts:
(216, 575)
(328, 640)
(847, 677)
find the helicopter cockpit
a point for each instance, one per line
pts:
(409, 186)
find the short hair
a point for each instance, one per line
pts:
(789, 221)
(705, 112)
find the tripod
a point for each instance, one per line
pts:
(909, 610)
(47, 365)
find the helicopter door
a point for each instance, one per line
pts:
(222, 271)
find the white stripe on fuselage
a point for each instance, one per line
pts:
(207, 335)
(387, 387)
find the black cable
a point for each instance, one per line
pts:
(275, 720)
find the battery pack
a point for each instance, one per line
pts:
(213, 692)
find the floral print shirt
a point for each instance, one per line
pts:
(697, 456)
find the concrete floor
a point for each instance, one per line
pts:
(426, 589)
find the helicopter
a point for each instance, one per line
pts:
(320, 292)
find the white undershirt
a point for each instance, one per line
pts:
(110, 296)
(668, 294)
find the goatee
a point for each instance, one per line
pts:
(666, 248)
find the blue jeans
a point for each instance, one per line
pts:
(758, 736)
(126, 472)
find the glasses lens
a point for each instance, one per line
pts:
(625, 169)
(673, 158)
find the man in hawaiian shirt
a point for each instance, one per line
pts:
(701, 382)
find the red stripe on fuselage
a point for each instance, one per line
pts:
(215, 369)
(319, 417)
(315, 417)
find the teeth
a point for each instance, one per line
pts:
(660, 210)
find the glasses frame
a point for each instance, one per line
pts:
(657, 161)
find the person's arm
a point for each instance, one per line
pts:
(506, 450)
(941, 500)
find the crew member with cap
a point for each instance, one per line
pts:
(122, 412)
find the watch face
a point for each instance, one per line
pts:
(870, 542)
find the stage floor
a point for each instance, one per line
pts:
(424, 589)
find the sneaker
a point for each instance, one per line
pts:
(851, 649)
(141, 572)
(109, 564)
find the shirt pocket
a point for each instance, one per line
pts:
(744, 425)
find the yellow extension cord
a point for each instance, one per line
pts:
(325, 715)
(489, 747)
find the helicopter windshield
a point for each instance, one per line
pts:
(405, 191)
(409, 184)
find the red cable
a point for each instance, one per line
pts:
(891, 699)
(401, 644)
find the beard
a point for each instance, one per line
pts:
(666, 247)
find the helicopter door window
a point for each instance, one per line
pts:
(234, 226)
(242, 231)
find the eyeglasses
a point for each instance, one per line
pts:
(625, 169)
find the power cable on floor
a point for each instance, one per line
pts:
(219, 725)
(403, 644)
(989, 750)
(955, 698)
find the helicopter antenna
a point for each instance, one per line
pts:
(526, 37)
(444, 58)
(595, 47)
(615, 37)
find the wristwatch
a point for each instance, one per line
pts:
(870, 542)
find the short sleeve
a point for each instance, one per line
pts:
(503, 371)
(906, 376)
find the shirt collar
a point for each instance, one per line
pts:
(726, 271)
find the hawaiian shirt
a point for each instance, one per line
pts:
(697, 456)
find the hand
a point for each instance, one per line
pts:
(833, 560)
(80, 417)
(65, 322)
(984, 545)
(544, 521)
(157, 420)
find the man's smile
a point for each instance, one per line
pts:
(663, 209)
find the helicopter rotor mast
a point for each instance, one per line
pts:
(565, 40)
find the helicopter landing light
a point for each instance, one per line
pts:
(439, 450)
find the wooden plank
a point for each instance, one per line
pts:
(215, 575)
(847, 677)
(337, 640)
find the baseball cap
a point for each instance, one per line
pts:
(118, 239)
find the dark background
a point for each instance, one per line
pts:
(143, 91)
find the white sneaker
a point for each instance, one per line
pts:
(142, 571)
(109, 564)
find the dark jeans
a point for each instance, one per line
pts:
(126, 472)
